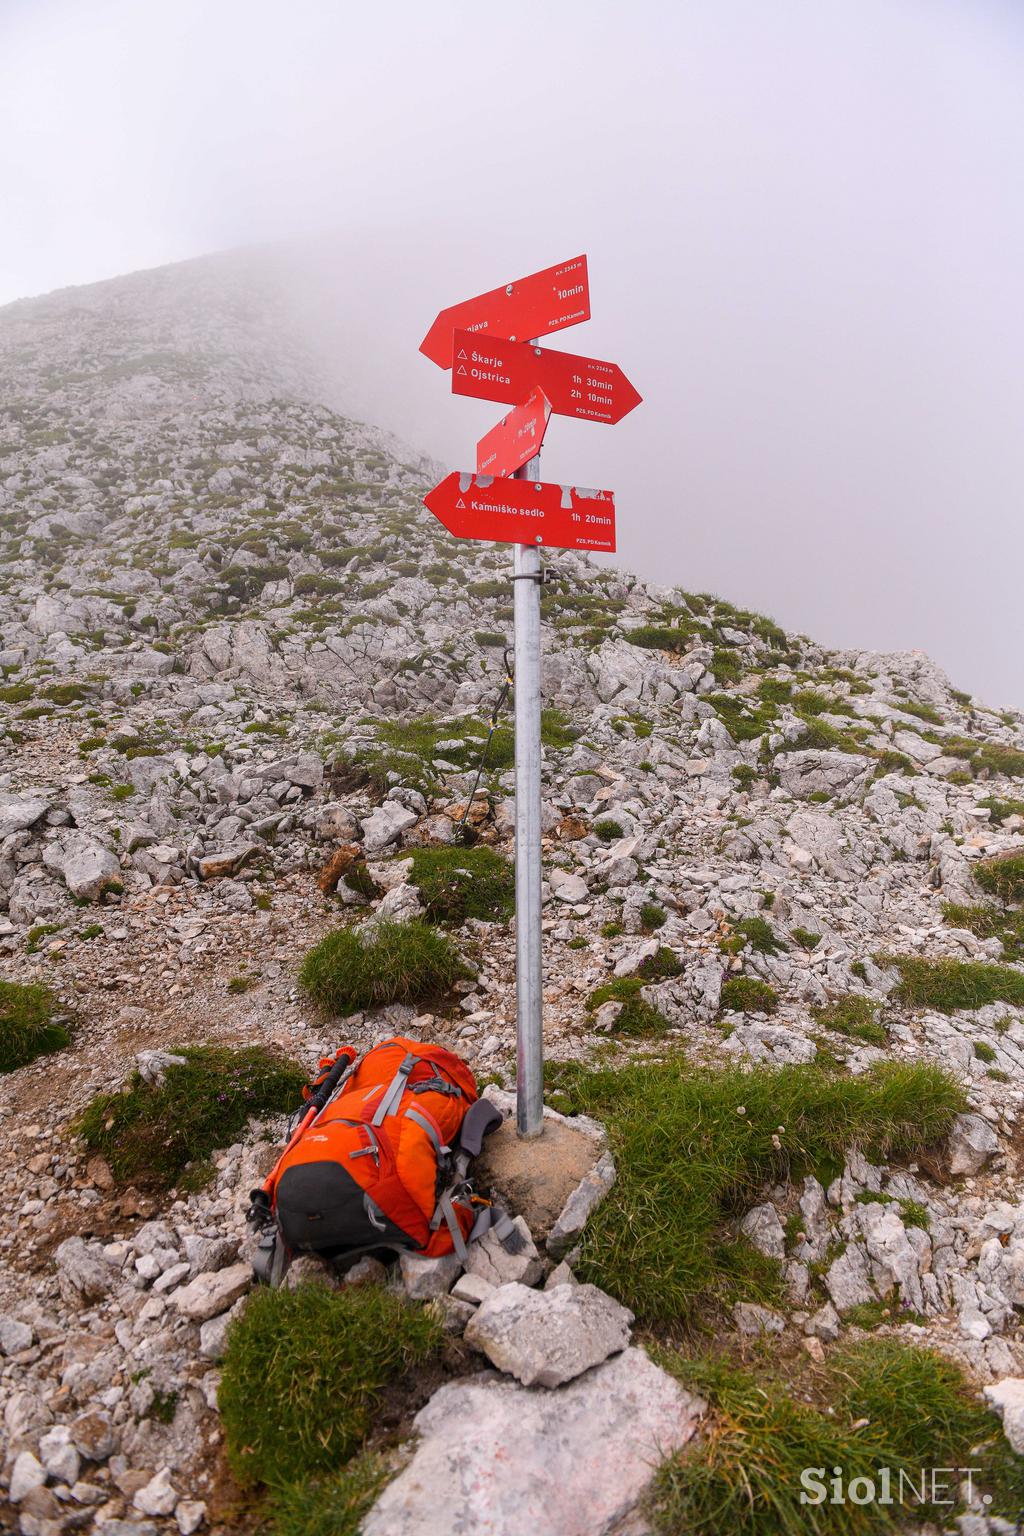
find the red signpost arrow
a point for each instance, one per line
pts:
(524, 512)
(532, 306)
(516, 438)
(489, 368)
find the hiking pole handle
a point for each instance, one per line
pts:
(319, 1098)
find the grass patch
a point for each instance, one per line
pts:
(948, 985)
(660, 637)
(304, 1372)
(806, 939)
(1002, 877)
(66, 693)
(149, 1133)
(747, 994)
(26, 1027)
(989, 923)
(638, 1018)
(456, 883)
(853, 1016)
(1000, 810)
(607, 830)
(688, 1160)
(881, 1403)
(652, 916)
(759, 934)
(400, 963)
(334, 1506)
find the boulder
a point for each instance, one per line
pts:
(972, 1141)
(212, 1293)
(848, 1280)
(26, 1474)
(1007, 1397)
(83, 1273)
(385, 826)
(425, 1278)
(14, 1336)
(86, 866)
(19, 812)
(93, 1435)
(225, 861)
(764, 1231)
(337, 865)
(554, 1475)
(567, 886)
(158, 1496)
(489, 1258)
(545, 1338)
(840, 775)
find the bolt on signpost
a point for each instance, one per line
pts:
(482, 341)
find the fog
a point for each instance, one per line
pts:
(805, 227)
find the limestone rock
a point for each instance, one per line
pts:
(848, 1279)
(385, 826)
(840, 775)
(1007, 1396)
(26, 1474)
(488, 1258)
(225, 861)
(763, 1229)
(753, 1319)
(424, 1278)
(336, 865)
(85, 865)
(14, 1336)
(567, 886)
(84, 1274)
(209, 1294)
(18, 812)
(972, 1141)
(158, 1497)
(93, 1435)
(545, 1338)
(555, 1475)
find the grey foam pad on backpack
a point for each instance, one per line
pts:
(481, 1119)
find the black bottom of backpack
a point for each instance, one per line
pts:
(321, 1209)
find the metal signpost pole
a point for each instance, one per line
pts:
(529, 959)
(477, 341)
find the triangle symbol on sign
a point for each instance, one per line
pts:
(461, 352)
(460, 505)
(462, 370)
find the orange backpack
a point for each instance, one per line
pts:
(375, 1160)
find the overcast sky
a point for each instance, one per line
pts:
(804, 219)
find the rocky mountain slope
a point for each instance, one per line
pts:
(235, 650)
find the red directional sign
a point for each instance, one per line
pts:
(524, 512)
(532, 306)
(492, 369)
(516, 438)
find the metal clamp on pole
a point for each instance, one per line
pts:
(538, 576)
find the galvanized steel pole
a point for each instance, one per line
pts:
(529, 959)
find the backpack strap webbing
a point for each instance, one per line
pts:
(393, 1092)
(446, 1212)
